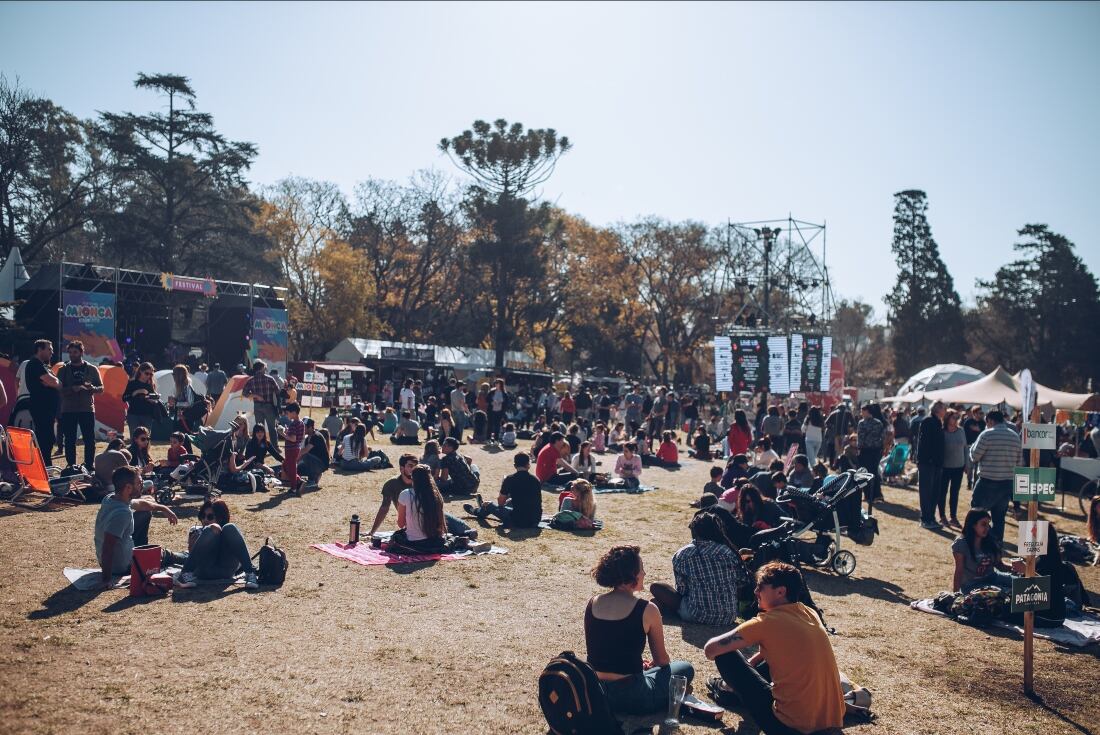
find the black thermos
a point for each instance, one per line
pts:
(353, 533)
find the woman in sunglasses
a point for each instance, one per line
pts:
(141, 398)
(216, 549)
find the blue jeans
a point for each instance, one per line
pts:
(994, 496)
(455, 527)
(360, 465)
(995, 578)
(647, 692)
(218, 553)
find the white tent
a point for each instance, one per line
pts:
(1000, 387)
(939, 376)
(12, 276)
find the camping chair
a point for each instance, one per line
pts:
(38, 479)
(893, 464)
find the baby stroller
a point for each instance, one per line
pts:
(198, 473)
(892, 465)
(813, 535)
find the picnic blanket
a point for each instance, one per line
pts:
(362, 553)
(86, 580)
(546, 488)
(1077, 632)
(597, 525)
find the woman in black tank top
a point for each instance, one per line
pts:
(617, 625)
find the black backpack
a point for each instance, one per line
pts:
(273, 564)
(572, 699)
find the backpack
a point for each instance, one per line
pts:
(273, 564)
(572, 699)
(1075, 549)
(980, 606)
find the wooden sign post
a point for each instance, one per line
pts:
(1029, 617)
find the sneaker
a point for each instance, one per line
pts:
(933, 526)
(472, 534)
(471, 510)
(250, 581)
(184, 580)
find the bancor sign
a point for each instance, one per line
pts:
(1040, 436)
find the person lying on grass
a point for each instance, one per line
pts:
(617, 625)
(114, 523)
(216, 549)
(791, 686)
(708, 573)
(391, 493)
(519, 504)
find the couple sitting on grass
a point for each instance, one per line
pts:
(791, 686)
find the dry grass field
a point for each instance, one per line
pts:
(456, 647)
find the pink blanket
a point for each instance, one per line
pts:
(362, 553)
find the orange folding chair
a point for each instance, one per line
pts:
(23, 452)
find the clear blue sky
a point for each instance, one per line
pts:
(704, 111)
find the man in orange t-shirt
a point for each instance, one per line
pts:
(803, 694)
(549, 461)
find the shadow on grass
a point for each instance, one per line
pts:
(1037, 699)
(63, 601)
(876, 589)
(276, 499)
(410, 567)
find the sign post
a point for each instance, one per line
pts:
(1030, 408)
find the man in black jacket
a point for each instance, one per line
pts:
(930, 464)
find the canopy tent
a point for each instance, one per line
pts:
(1002, 387)
(938, 377)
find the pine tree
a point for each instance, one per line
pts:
(925, 314)
(1042, 311)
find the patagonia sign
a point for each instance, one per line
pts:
(1030, 594)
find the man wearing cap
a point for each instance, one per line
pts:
(264, 392)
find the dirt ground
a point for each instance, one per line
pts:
(456, 647)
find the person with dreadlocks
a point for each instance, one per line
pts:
(708, 573)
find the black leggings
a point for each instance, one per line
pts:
(752, 685)
(951, 478)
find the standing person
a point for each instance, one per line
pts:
(216, 381)
(584, 403)
(739, 437)
(292, 447)
(45, 396)
(568, 408)
(633, 403)
(80, 381)
(914, 428)
(996, 453)
(954, 462)
(930, 464)
(814, 430)
(604, 403)
(458, 409)
(772, 426)
(791, 685)
(264, 392)
(973, 425)
(658, 413)
(408, 396)
(617, 625)
(498, 401)
(901, 427)
(870, 435)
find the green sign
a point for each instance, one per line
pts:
(1033, 483)
(1030, 594)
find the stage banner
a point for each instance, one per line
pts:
(269, 338)
(723, 364)
(90, 318)
(750, 363)
(811, 362)
(779, 365)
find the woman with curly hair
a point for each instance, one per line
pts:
(617, 625)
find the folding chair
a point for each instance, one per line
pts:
(38, 479)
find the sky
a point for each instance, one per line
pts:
(711, 112)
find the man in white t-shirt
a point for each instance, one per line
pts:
(408, 396)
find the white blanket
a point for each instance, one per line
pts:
(1077, 632)
(86, 580)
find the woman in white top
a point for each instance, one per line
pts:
(812, 428)
(765, 455)
(420, 518)
(583, 463)
(354, 452)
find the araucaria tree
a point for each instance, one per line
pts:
(925, 315)
(507, 163)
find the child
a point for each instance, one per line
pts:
(508, 436)
(599, 439)
(714, 487)
(618, 436)
(176, 449)
(293, 438)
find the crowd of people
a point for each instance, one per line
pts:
(762, 448)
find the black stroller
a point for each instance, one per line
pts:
(813, 535)
(197, 475)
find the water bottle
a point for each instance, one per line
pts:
(353, 533)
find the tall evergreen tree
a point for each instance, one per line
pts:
(1042, 311)
(925, 315)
